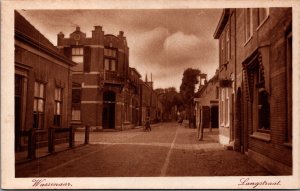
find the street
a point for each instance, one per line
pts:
(168, 150)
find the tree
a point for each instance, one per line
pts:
(187, 90)
(170, 98)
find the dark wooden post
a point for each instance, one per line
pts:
(31, 144)
(51, 140)
(87, 134)
(71, 137)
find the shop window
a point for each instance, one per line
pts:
(39, 105)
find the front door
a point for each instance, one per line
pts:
(108, 114)
(214, 116)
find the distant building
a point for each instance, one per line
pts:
(256, 84)
(207, 103)
(107, 92)
(42, 85)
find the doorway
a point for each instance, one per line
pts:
(18, 109)
(108, 114)
(239, 122)
(214, 116)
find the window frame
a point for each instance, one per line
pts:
(250, 24)
(262, 21)
(39, 116)
(110, 55)
(81, 64)
(227, 43)
(57, 117)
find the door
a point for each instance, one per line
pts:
(214, 116)
(18, 108)
(108, 114)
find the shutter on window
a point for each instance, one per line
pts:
(68, 52)
(87, 59)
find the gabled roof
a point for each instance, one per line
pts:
(26, 32)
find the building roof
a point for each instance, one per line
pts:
(25, 31)
(135, 70)
(222, 23)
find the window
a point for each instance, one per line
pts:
(110, 59)
(222, 50)
(38, 105)
(77, 56)
(57, 106)
(110, 52)
(227, 107)
(289, 86)
(222, 105)
(262, 15)
(263, 111)
(76, 100)
(261, 101)
(227, 44)
(109, 64)
(248, 24)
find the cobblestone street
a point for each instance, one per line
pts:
(168, 150)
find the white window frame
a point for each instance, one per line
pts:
(261, 22)
(250, 24)
(78, 52)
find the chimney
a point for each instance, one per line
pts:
(77, 28)
(60, 37)
(121, 33)
(98, 28)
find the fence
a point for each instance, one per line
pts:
(52, 132)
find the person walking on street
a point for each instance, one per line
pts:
(147, 124)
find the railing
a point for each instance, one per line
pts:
(111, 77)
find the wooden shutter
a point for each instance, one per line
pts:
(87, 59)
(68, 52)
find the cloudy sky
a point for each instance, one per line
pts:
(162, 42)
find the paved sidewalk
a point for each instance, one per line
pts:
(22, 157)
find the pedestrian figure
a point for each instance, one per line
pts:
(147, 124)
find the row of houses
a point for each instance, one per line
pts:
(81, 81)
(254, 89)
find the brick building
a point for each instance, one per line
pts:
(207, 104)
(42, 85)
(108, 94)
(256, 73)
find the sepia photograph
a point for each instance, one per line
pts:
(138, 94)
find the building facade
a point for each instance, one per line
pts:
(42, 86)
(258, 74)
(207, 105)
(109, 93)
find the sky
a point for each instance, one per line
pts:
(163, 42)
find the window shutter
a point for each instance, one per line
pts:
(87, 59)
(68, 52)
